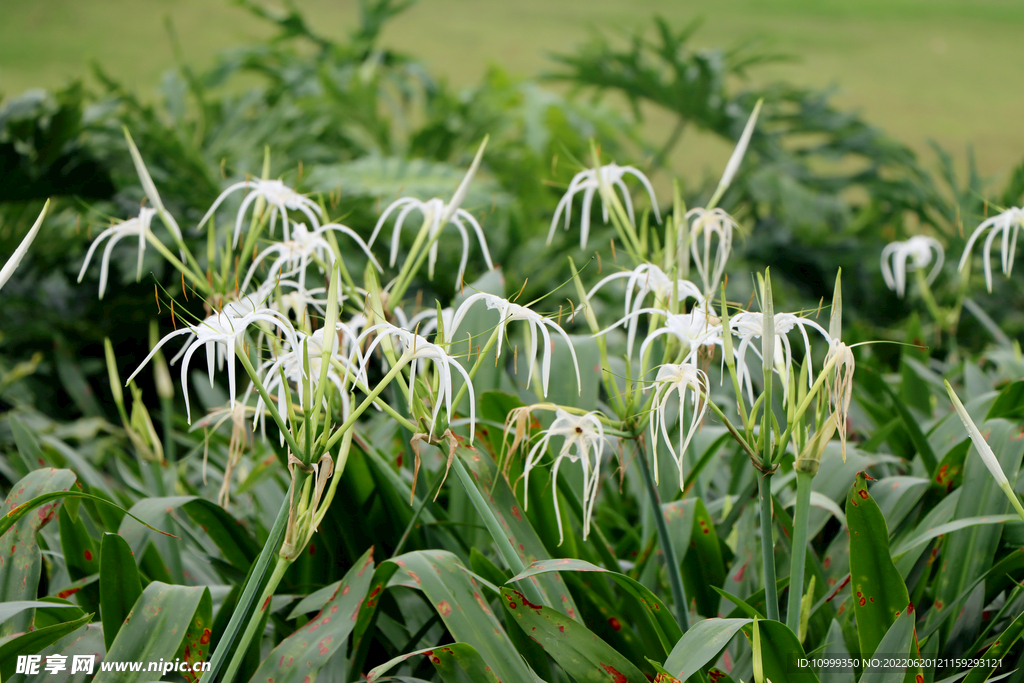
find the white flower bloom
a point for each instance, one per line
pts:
(434, 211)
(290, 364)
(694, 329)
(681, 379)
(714, 223)
(648, 278)
(918, 250)
(589, 181)
(508, 312)
(583, 437)
(749, 325)
(138, 226)
(1007, 224)
(278, 196)
(295, 254)
(414, 349)
(220, 334)
(841, 387)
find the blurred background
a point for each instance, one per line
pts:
(881, 120)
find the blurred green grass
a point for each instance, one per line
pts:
(944, 69)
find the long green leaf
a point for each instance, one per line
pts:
(455, 663)
(120, 586)
(154, 629)
(701, 645)
(456, 596)
(582, 655)
(20, 559)
(999, 649)
(301, 655)
(896, 643)
(661, 617)
(879, 594)
(32, 642)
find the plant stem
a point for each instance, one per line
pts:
(771, 591)
(250, 630)
(245, 602)
(799, 553)
(675, 581)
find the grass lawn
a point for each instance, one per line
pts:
(944, 69)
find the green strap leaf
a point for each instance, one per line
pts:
(997, 651)
(120, 586)
(301, 655)
(661, 617)
(154, 629)
(32, 642)
(577, 649)
(897, 642)
(879, 594)
(455, 663)
(701, 645)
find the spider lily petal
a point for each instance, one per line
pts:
(583, 437)
(648, 278)
(918, 250)
(589, 181)
(681, 379)
(279, 196)
(434, 211)
(1007, 225)
(220, 334)
(295, 254)
(19, 253)
(841, 387)
(133, 226)
(713, 223)
(748, 327)
(415, 348)
(509, 312)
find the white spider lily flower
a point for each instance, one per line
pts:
(295, 254)
(984, 450)
(709, 224)
(220, 334)
(414, 349)
(15, 260)
(509, 312)
(589, 181)
(583, 437)
(681, 380)
(694, 329)
(918, 251)
(1007, 225)
(748, 326)
(841, 387)
(290, 365)
(646, 279)
(138, 226)
(278, 196)
(434, 211)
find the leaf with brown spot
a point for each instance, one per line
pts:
(301, 655)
